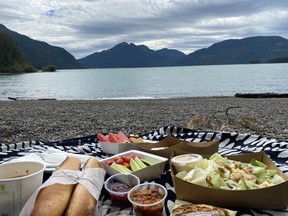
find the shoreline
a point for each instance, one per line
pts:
(53, 120)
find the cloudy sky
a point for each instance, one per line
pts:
(83, 27)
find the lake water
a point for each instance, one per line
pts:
(147, 83)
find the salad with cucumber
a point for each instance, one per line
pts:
(222, 173)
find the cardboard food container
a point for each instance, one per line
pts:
(198, 209)
(165, 147)
(145, 174)
(275, 197)
(116, 148)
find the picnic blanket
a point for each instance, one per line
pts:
(230, 144)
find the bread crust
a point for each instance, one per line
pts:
(53, 199)
(194, 208)
(82, 202)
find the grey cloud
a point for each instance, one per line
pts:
(184, 25)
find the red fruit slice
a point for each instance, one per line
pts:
(102, 137)
(113, 138)
(119, 161)
(109, 163)
(122, 137)
(127, 159)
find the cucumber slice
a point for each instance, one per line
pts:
(146, 162)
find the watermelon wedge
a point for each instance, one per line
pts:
(113, 138)
(122, 137)
(102, 137)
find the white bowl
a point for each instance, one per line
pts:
(18, 181)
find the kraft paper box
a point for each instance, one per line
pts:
(275, 197)
(165, 147)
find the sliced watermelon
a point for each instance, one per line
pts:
(102, 137)
(113, 138)
(122, 137)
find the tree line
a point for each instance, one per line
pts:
(13, 60)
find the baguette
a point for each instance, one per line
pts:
(53, 199)
(82, 202)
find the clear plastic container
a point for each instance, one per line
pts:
(119, 185)
(148, 199)
(186, 162)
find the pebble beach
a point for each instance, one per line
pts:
(53, 120)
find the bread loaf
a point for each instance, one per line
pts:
(53, 199)
(82, 202)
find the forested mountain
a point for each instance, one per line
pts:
(258, 49)
(130, 55)
(11, 57)
(41, 53)
(253, 49)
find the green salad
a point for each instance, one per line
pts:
(222, 173)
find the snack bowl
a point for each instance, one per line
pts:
(116, 148)
(148, 199)
(153, 170)
(119, 185)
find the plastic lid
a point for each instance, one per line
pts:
(186, 159)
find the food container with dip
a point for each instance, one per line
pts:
(186, 162)
(18, 181)
(119, 185)
(148, 199)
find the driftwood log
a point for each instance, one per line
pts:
(19, 98)
(262, 95)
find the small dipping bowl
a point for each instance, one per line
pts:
(119, 185)
(148, 199)
(186, 162)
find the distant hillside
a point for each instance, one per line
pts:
(259, 49)
(130, 55)
(42, 54)
(11, 57)
(243, 51)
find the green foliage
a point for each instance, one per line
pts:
(12, 60)
(49, 68)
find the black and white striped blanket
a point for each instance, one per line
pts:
(230, 144)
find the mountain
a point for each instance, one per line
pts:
(130, 55)
(258, 49)
(238, 51)
(171, 54)
(41, 53)
(11, 57)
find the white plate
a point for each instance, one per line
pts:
(52, 158)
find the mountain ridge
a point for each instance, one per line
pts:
(256, 49)
(135, 56)
(41, 53)
(238, 51)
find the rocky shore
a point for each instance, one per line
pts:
(57, 120)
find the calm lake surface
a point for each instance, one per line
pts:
(146, 83)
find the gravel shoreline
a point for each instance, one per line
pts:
(52, 120)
